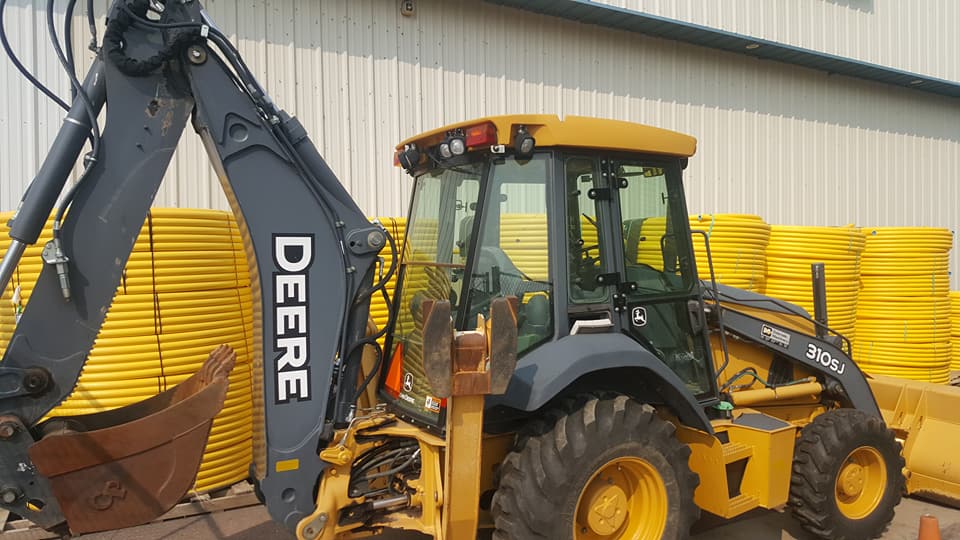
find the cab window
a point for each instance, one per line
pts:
(584, 234)
(513, 252)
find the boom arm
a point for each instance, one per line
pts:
(310, 249)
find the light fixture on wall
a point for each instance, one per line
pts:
(407, 8)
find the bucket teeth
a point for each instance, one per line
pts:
(218, 364)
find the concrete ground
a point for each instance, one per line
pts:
(252, 523)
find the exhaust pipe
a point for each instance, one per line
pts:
(819, 298)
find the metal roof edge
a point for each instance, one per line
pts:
(587, 11)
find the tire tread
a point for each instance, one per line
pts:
(535, 477)
(812, 484)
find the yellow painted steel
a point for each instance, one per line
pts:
(185, 290)
(426, 493)
(904, 315)
(924, 416)
(765, 481)
(579, 131)
(463, 455)
(861, 483)
(809, 391)
(793, 249)
(625, 498)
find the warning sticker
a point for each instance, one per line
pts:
(431, 404)
(775, 336)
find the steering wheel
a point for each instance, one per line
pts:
(587, 268)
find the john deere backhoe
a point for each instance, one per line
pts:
(553, 367)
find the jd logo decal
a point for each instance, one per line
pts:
(639, 316)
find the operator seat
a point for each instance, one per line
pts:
(631, 239)
(536, 324)
(513, 281)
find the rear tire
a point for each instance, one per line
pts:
(847, 476)
(607, 469)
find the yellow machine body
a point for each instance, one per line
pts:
(750, 470)
(574, 131)
(745, 464)
(924, 416)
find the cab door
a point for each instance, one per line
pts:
(658, 297)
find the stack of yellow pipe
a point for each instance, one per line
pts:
(420, 247)
(523, 237)
(954, 330)
(793, 249)
(185, 290)
(738, 245)
(903, 317)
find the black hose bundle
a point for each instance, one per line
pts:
(114, 45)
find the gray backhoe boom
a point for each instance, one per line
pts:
(312, 252)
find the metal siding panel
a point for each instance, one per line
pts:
(793, 145)
(912, 36)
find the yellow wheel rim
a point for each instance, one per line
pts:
(625, 499)
(861, 483)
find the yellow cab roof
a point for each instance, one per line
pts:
(574, 131)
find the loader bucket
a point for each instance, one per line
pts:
(130, 465)
(924, 416)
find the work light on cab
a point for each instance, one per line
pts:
(409, 157)
(453, 145)
(523, 143)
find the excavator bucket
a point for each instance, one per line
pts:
(924, 417)
(128, 466)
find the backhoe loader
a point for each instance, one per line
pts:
(553, 366)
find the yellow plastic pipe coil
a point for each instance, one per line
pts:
(737, 244)
(185, 290)
(793, 249)
(904, 313)
(750, 254)
(954, 330)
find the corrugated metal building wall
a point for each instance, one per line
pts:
(793, 145)
(918, 36)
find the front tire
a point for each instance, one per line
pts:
(608, 469)
(847, 476)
